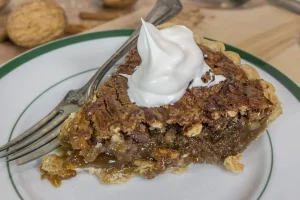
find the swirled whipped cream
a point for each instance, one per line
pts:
(171, 60)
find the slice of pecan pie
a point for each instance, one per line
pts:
(116, 139)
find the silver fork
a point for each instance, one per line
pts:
(227, 4)
(42, 138)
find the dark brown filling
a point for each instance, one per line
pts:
(211, 148)
(112, 132)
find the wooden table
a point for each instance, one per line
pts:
(266, 31)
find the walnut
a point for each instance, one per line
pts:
(156, 125)
(253, 126)
(193, 130)
(234, 57)
(243, 110)
(3, 3)
(170, 136)
(94, 99)
(117, 139)
(231, 113)
(118, 3)
(161, 154)
(115, 129)
(232, 163)
(215, 115)
(36, 23)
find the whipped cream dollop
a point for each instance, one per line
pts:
(170, 61)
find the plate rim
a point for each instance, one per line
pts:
(31, 54)
(14, 63)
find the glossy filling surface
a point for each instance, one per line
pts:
(112, 137)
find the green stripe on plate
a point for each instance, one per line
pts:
(27, 56)
(18, 61)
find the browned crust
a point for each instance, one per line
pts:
(269, 93)
(231, 162)
(53, 165)
(250, 72)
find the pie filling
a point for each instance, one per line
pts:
(116, 139)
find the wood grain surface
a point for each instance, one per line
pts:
(269, 32)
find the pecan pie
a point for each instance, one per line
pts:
(116, 139)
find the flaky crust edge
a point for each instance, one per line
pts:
(250, 72)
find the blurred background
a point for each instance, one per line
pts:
(269, 29)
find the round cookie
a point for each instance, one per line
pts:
(36, 23)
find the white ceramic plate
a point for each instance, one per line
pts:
(32, 84)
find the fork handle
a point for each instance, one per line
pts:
(162, 12)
